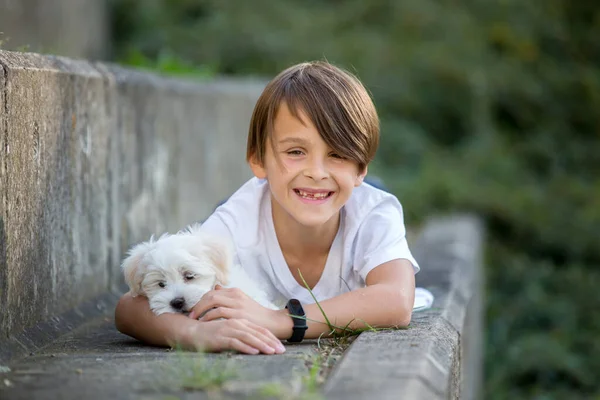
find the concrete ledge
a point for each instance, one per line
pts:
(426, 361)
(439, 355)
(97, 362)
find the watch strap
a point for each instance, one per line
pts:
(297, 314)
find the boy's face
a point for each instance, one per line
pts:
(308, 180)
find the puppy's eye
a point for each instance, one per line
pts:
(162, 284)
(189, 277)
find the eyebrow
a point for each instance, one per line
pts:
(293, 140)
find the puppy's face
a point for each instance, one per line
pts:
(175, 271)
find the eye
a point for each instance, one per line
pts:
(295, 152)
(334, 155)
(162, 284)
(189, 277)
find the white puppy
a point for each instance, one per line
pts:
(175, 271)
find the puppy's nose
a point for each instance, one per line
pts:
(177, 303)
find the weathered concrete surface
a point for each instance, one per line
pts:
(95, 158)
(35, 338)
(54, 185)
(407, 364)
(452, 248)
(428, 360)
(439, 356)
(72, 28)
(97, 362)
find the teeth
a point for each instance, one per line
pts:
(307, 195)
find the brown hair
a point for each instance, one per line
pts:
(335, 101)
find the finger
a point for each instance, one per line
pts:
(218, 287)
(249, 338)
(236, 344)
(219, 312)
(212, 300)
(264, 335)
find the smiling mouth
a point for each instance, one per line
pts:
(313, 196)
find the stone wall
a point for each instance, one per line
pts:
(94, 158)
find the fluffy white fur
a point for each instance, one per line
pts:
(175, 271)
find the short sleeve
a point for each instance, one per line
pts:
(381, 238)
(215, 225)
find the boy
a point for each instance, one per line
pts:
(306, 219)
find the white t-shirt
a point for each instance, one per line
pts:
(371, 232)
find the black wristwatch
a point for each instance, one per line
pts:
(298, 316)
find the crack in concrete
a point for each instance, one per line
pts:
(3, 194)
(4, 119)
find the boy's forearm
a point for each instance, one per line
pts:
(376, 305)
(133, 317)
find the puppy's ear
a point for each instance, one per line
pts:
(132, 268)
(220, 251)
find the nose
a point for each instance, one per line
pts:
(177, 303)
(316, 170)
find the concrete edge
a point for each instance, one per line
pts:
(17, 61)
(426, 363)
(456, 259)
(13, 60)
(37, 337)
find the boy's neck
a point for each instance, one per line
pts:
(297, 239)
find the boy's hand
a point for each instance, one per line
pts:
(233, 303)
(234, 334)
(133, 317)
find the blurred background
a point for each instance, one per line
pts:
(486, 106)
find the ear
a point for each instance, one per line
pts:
(361, 176)
(257, 168)
(220, 253)
(132, 269)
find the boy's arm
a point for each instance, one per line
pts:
(386, 301)
(133, 317)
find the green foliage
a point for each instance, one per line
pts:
(310, 388)
(312, 382)
(489, 106)
(193, 372)
(167, 63)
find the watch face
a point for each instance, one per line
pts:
(295, 307)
